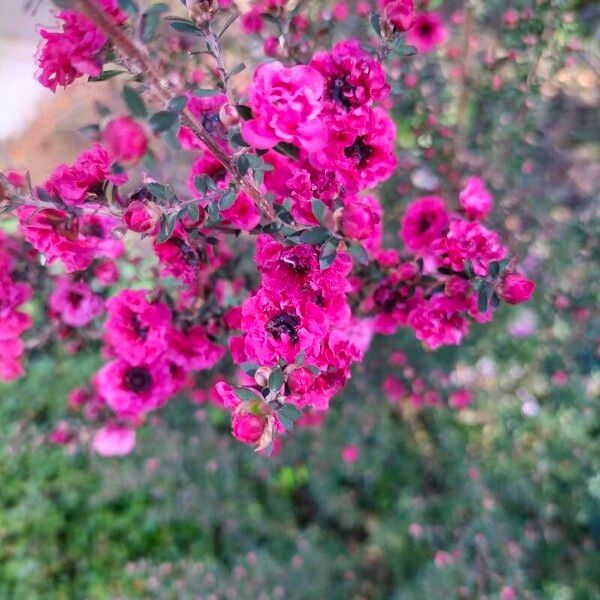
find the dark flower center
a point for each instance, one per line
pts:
(386, 297)
(140, 331)
(75, 298)
(284, 324)
(340, 92)
(358, 151)
(212, 123)
(189, 254)
(93, 229)
(138, 379)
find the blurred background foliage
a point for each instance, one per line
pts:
(440, 503)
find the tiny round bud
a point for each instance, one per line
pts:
(262, 376)
(229, 115)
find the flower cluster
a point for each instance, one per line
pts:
(281, 169)
(13, 321)
(76, 50)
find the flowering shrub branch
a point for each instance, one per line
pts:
(280, 168)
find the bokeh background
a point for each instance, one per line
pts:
(389, 497)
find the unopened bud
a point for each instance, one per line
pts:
(262, 376)
(229, 115)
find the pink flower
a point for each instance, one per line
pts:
(361, 218)
(125, 140)
(73, 185)
(475, 199)
(427, 32)
(114, 440)
(424, 221)
(134, 390)
(469, 241)
(193, 349)
(399, 13)
(361, 156)
(350, 454)
(300, 380)
(286, 107)
(136, 329)
(461, 399)
(248, 428)
(439, 322)
(142, 217)
(206, 110)
(515, 288)
(74, 302)
(353, 80)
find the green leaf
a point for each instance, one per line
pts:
(106, 75)
(193, 212)
(244, 111)
(467, 269)
(300, 358)
(249, 368)
(203, 183)
(482, 300)
(227, 199)
(289, 411)
(163, 120)
(246, 394)
(203, 92)
(288, 424)
(166, 227)
(178, 103)
(376, 23)
(133, 101)
(319, 209)
(326, 260)
(276, 379)
(243, 164)
(183, 26)
(494, 269)
(157, 189)
(129, 6)
(359, 253)
(157, 9)
(316, 235)
(237, 69)
(288, 150)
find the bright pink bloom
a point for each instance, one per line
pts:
(361, 218)
(136, 329)
(286, 107)
(132, 390)
(74, 302)
(427, 32)
(350, 454)
(515, 288)
(300, 380)
(193, 349)
(399, 13)
(461, 399)
(125, 140)
(73, 185)
(142, 218)
(475, 199)
(423, 222)
(469, 241)
(114, 440)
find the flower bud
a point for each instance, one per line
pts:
(262, 376)
(248, 428)
(400, 14)
(142, 217)
(515, 288)
(300, 380)
(229, 115)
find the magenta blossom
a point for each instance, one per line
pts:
(114, 440)
(74, 302)
(286, 107)
(515, 288)
(427, 32)
(125, 140)
(475, 199)
(423, 222)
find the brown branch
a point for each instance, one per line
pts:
(139, 63)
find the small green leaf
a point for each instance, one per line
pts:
(129, 6)
(246, 394)
(163, 120)
(467, 269)
(237, 69)
(288, 424)
(183, 26)
(494, 269)
(288, 150)
(249, 368)
(228, 199)
(133, 101)
(178, 103)
(167, 227)
(276, 379)
(157, 189)
(482, 300)
(319, 209)
(316, 235)
(203, 92)
(359, 253)
(244, 111)
(289, 411)
(326, 260)
(300, 358)
(106, 75)
(376, 23)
